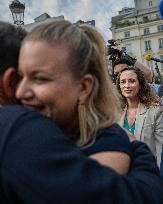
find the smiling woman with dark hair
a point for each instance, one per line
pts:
(142, 112)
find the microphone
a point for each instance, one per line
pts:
(149, 57)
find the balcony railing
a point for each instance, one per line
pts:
(123, 24)
(120, 24)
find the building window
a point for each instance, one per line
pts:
(147, 45)
(128, 48)
(160, 28)
(146, 31)
(150, 3)
(145, 19)
(127, 34)
(161, 58)
(157, 16)
(160, 43)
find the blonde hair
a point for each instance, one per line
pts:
(87, 54)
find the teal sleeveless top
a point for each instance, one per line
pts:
(130, 129)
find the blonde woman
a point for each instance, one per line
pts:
(63, 74)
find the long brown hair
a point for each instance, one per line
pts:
(145, 94)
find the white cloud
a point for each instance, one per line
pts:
(99, 10)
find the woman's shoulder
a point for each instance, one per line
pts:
(156, 108)
(113, 138)
(155, 103)
(113, 131)
(155, 113)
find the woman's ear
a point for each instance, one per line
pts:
(8, 82)
(87, 84)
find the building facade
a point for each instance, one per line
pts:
(45, 18)
(140, 31)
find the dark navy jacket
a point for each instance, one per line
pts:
(160, 90)
(38, 165)
(161, 165)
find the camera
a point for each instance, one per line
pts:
(113, 52)
(116, 55)
(112, 43)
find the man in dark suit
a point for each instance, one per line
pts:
(10, 42)
(38, 164)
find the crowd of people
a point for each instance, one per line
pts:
(68, 134)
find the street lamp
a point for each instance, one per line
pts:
(17, 10)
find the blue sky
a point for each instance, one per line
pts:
(99, 10)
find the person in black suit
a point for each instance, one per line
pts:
(40, 165)
(10, 42)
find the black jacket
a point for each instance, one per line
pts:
(39, 165)
(161, 166)
(160, 90)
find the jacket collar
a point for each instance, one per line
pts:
(140, 119)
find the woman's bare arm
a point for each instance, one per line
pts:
(119, 161)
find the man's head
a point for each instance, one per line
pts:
(10, 42)
(120, 63)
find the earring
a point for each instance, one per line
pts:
(82, 122)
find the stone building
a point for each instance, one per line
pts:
(43, 18)
(140, 31)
